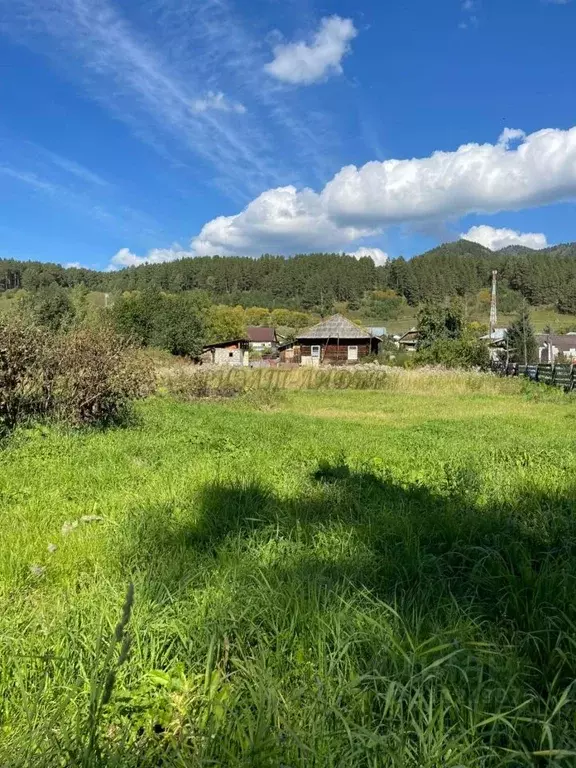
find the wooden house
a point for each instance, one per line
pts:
(335, 340)
(409, 341)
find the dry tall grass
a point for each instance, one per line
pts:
(206, 380)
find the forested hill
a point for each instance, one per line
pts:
(315, 280)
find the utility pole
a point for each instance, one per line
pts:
(493, 310)
(524, 318)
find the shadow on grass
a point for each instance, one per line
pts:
(512, 565)
(442, 562)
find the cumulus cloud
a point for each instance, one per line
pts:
(518, 171)
(126, 258)
(495, 239)
(215, 100)
(481, 178)
(302, 63)
(279, 220)
(377, 255)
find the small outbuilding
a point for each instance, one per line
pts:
(233, 352)
(336, 340)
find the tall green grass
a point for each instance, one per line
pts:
(349, 579)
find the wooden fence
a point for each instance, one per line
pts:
(555, 374)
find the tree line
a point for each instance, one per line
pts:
(315, 282)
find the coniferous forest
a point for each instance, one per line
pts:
(315, 281)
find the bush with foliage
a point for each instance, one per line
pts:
(225, 323)
(171, 322)
(385, 305)
(83, 377)
(440, 322)
(51, 307)
(446, 340)
(98, 377)
(465, 352)
(27, 372)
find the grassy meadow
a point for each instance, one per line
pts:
(321, 578)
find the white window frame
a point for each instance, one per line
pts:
(315, 350)
(352, 347)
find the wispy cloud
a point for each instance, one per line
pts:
(219, 40)
(75, 169)
(219, 102)
(134, 78)
(469, 10)
(30, 179)
(122, 219)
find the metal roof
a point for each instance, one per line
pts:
(260, 333)
(562, 341)
(227, 343)
(498, 334)
(335, 327)
(376, 330)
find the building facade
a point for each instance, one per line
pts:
(335, 341)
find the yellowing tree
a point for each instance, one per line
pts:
(225, 323)
(257, 316)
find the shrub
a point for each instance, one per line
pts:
(27, 372)
(455, 353)
(99, 376)
(83, 377)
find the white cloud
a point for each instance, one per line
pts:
(357, 202)
(302, 63)
(278, 220)
(495, 239)
(126, 258)
(217, 101)
(509, 135)
(377, 255)
(481, 178)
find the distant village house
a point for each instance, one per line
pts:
(409, 341)
(262, 339)
(552, 346)
(337, 341)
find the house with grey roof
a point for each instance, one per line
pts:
(336, 340)
(551, 346)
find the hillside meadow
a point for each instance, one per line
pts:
(320, 578)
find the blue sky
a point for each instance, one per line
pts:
(152, 130)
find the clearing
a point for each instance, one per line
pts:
(333, 579)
